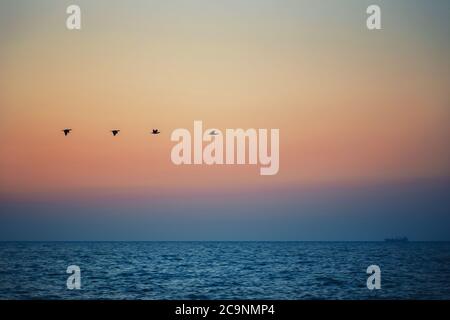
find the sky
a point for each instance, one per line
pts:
(363, 119)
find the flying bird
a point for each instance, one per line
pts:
(66, 131)
(214, 133)
(115, 132)
(156, 131)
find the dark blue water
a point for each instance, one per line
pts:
(224, 270)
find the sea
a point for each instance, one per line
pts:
(224, 270)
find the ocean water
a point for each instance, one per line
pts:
(224, 270)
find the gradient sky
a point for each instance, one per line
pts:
(363, 118)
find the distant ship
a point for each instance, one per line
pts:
(398, 239)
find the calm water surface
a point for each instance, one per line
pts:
(224, 270)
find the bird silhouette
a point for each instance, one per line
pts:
(156, 131)
(115, 132)
(214, 133)
(66, 131)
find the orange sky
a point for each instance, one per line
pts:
(351, 105)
